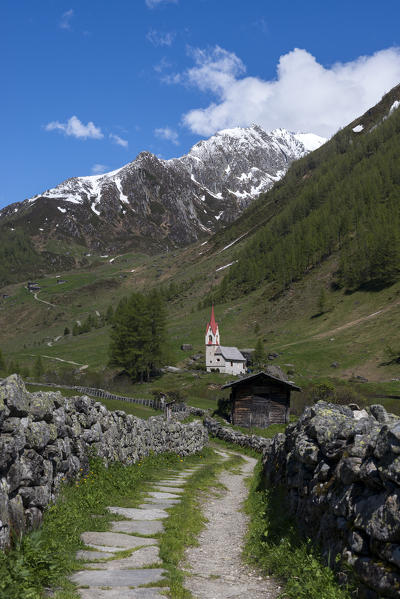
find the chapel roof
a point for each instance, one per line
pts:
(230, 353)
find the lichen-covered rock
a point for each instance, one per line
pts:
(45, 439)
(342, 475)
(15, 396)
(4, 513)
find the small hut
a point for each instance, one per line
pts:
(260, 400)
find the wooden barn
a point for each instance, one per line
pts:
(260, 400)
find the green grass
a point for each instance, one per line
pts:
(44, 558)
(274, 545)
(267, 433)
(287, 323)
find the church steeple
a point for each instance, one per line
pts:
(212, 331)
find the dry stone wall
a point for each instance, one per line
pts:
(45, 438)
(341, 469)
(228, 434)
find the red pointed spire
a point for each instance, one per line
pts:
(212, 323)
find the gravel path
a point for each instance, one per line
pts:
(216, 570)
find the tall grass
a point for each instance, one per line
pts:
(274, 544)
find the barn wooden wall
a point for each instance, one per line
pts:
(260, 405)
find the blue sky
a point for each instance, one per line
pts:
(87, 85)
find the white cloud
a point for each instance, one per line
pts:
(65, 22)
(163, 64)
(160, 39)
(98, 169)
(118, 140)
(305, 96)
(76, 128)
(167, 133)
(155, 3)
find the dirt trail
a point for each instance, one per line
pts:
(35, 295)
(345, 326)
(215, 568)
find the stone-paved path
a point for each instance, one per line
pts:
(216, 570)
(105, 576)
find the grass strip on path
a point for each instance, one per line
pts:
(274, 544)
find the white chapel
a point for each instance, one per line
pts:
(220, 358)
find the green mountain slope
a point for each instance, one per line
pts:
(344, 197)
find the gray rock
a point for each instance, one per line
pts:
(17, 514)
(117, 578)
(146, 556)
(15, 396)
(163, 495)
(171, 489)
(379, 413)
(122, 593)
(89, 556)
(357, 543)
(35, 496)
(148, 527)
(115, 539)
(138, 514)
(41, 406)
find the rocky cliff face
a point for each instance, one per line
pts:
(341, 469)
(45, 439)
(161, 203)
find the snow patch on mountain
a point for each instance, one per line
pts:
(179, 200)
(310, 141)
(394, 106)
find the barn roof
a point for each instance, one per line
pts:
(261, 375)
(230, 353)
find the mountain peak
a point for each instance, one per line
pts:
(150, 201)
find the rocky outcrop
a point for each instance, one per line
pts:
(45, 439)
(341, 469)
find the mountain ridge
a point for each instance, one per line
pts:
(163, 203)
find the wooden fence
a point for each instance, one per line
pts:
(156, 404)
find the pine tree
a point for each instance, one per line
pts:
(322, 301)
(11, 367)
(2, 364)
(38, 369)
(259, 355)
(137, 335)
(109, 314)
(25, 372)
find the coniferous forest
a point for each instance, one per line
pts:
(343, 198)
(138, 335)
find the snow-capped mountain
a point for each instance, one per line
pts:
(157, 203)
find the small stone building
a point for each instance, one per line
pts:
(260, 400)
